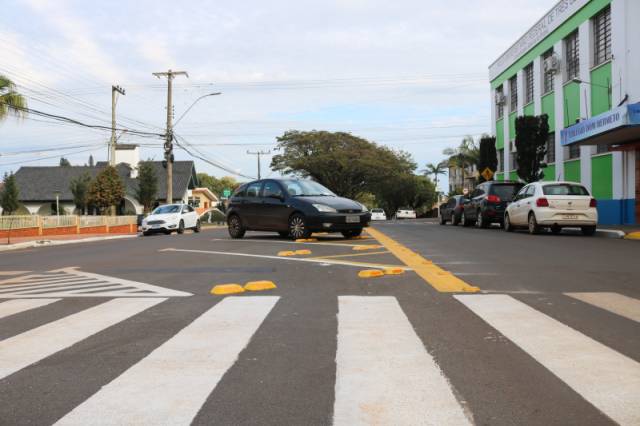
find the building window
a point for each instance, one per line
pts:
(547, 77)
(551, 148)
(513, 159)
(528, 84)
(602, 148)
(602, 36)
(501, 160)
(499, 102)
(574, 151)
(572, 49)
(513, 94)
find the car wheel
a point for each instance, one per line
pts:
(507, 224)
(588, 230)
(465, 221)
(555, 230)
(234, 226)
(283, 234)
(181, 227)
(167, 232)
(298, 227)
(443, 221)
(146, 233)
(481, 222)
(533, 224)
(454, 219)
(351, 233)
(198, 226)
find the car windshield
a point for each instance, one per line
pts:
(505, 192)
(564, 189)
(172, 208)
(306, 188)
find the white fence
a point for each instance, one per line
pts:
(18, 222)
(59, 221)
(21, 222)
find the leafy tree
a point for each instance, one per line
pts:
(488, 156)
(10, 100)
(417, 192)
(347, 164)
(532, 133)
(79, 187)
(64, 162)
(435, 170)
(107, 189)
(465, 156)
(147, 190)
(9, 197)
(217, 185)
(91, 162)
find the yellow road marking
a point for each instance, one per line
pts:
(302, 252)
(286, 253)
(632, 236)
(223, 289)
(367, 247)
(350, 255)
(259, 285)
(370, 273)
(393, 271)
(438, 278)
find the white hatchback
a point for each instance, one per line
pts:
(378, 214)
(405, 214)
(553, 205)
(171, 217)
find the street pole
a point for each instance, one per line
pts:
(112, 144)
(168, 145)
(258, 154)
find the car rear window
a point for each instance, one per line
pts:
(505, 192)
(377, 211)
(564, 189)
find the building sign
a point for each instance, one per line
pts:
(545, 26)
(617, 117)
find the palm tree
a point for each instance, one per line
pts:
(435, 170)
(464, 156)
(10, 100)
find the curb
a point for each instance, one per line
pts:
(610, 233)
(47, 243)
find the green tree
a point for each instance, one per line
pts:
(147, 190)
(79, 187)
(64, 162)
(464, 156)
(106, 190)
(91, 162)
(488, 156)
(217, 185)
(346, 164)
(532, 133)
(10, 100)
(9, 199)
(435, 170)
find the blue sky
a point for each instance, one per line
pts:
(408, 74)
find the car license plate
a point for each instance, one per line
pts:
(570, 216)
(155, 226)
(353, 219)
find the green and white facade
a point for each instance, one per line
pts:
(580, 65)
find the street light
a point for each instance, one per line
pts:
(57, 194)
(195, 102)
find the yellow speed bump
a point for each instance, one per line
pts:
(367, 247)
(370, 273)
(632, 236)
(306, 240)
(286, 253)
(259, 285)
(222, 289)
(393, 271)
(302, 252)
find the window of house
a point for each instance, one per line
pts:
(513, 94)
(514, 160)
(572, 49)
(499, 105)
(547, 77)
(602, 36)
(501, 160)
(528, 84)
(574, 151)
(551, 148)
(602, 148)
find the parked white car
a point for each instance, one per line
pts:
(552, 205)
(378, 214)
(171, 217)
(405, 214)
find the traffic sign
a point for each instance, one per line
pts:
(487, 173)
(226, 193)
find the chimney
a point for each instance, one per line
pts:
(128, 154)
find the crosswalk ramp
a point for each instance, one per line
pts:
(383, 372)
(71, 282)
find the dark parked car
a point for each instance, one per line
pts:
(293, 208)
(451, 211)
(488, 202)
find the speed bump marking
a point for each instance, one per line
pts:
(222, 289)
(306, 240)
(286, 253)
(438, 278)
(632, 236)
(302, 252)
(259, 285)
(393, 271)
(370, 273)
(367, 247)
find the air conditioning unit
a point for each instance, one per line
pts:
(500, 98)
(551, 64)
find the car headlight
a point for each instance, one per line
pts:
(324, 208)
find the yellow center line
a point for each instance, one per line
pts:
(350, 255)
(440, 279)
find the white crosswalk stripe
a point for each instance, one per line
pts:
(71, 282)
(607, 379)
(34, 345)
(12, 307)
(171, 384)
(619, 304)
(384, 374)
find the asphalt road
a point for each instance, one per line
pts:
(127, 331)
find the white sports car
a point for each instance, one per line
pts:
(171, 217)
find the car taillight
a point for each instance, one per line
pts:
(542, 202)
(593, 203)
(493, 199)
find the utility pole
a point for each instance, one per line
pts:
(168, 145)
(112, 144)
(258, 154)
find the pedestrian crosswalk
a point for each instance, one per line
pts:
(384, 371)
